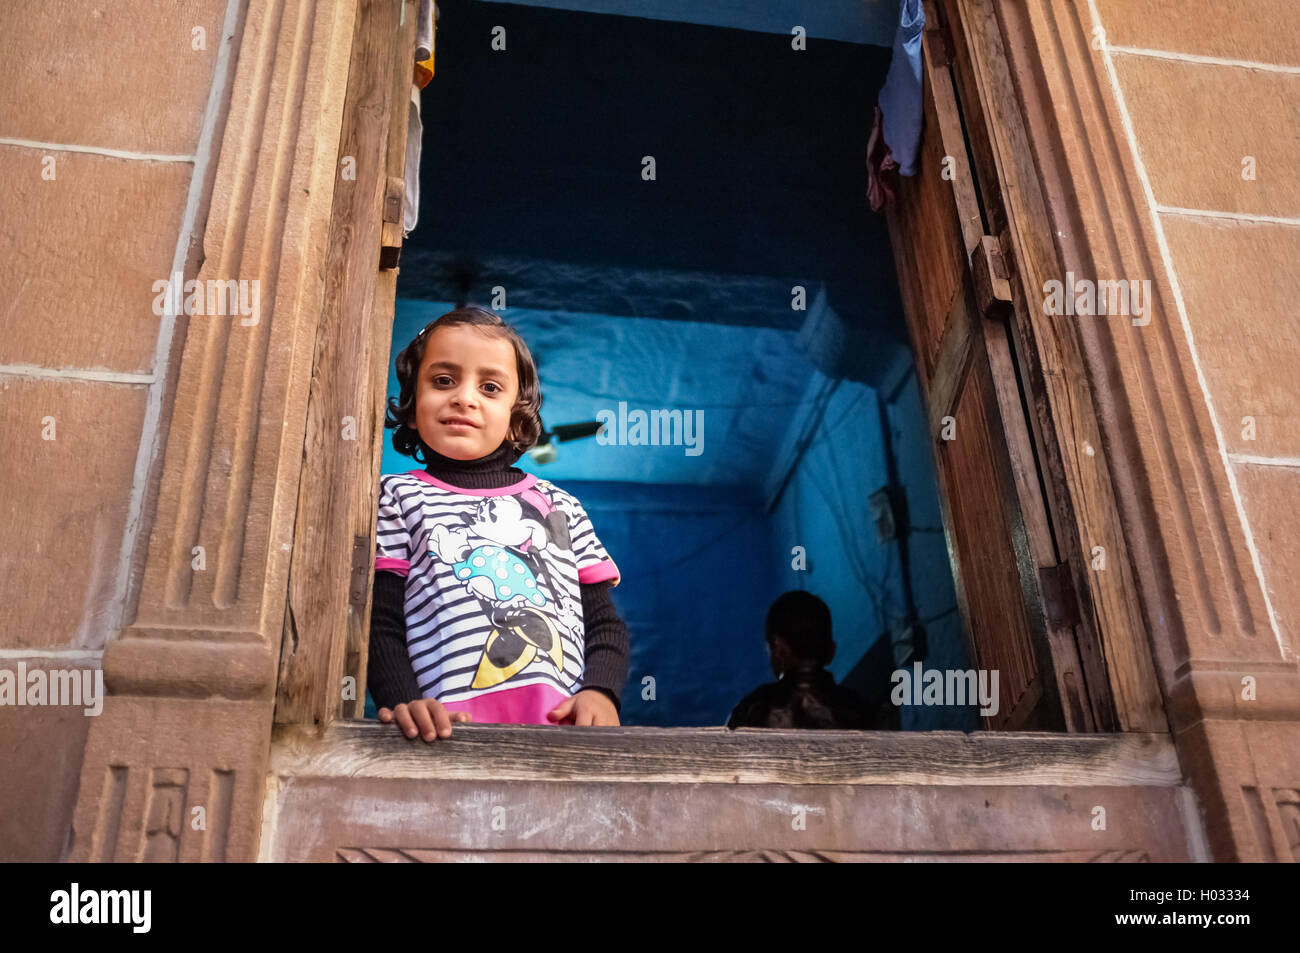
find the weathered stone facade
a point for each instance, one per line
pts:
(145, 139)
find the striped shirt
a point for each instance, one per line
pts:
(494, 621)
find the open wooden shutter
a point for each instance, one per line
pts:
(1015, 597)
(327, 614)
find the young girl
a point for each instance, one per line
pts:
(491, 596)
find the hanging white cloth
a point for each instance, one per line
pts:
(900, 98)
(415, 125)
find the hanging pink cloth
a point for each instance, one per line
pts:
(879, 161)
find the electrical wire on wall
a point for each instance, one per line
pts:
(876, 588)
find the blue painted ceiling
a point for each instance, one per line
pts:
(853, 21)
(672, 293)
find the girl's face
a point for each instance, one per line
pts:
(466, 391)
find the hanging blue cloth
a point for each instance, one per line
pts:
(900, 97)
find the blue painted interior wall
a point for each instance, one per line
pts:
(694, 553)
(696, 582)
(825, 509)
(700, 564)
(931, 571)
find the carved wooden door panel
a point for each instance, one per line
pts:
(1014, 594)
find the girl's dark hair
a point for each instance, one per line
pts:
(525, 416)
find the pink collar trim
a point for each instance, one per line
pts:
(528, 480)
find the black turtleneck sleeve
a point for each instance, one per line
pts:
(606, 650)
(389, 675)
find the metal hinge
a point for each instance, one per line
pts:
(360, 571)
(991, 278)
(1060, 601)
(390, 238)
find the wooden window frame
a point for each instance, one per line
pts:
(1093, 637)
(353, 346)
(327, 617)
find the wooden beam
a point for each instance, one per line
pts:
(367, 749)
(935, 58)
(366, 493)
(333, 492)
(1055, 646)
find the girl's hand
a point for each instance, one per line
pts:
(425, 717)
(588, 707)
